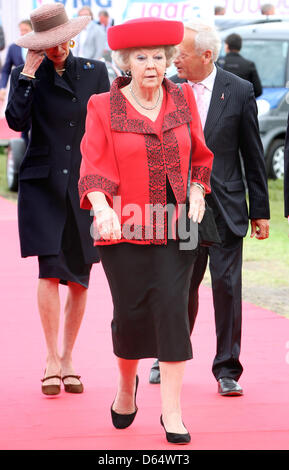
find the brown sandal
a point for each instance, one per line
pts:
(72, 388)
(51, 389)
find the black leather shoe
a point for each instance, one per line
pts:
(228, 387)
(175, 438)
(121, 421)
(155, 376)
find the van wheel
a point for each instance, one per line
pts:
(15, 153)
(275, 159)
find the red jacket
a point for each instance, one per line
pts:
(126, 154)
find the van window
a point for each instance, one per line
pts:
(270, 57)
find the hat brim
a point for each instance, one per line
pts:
(55, 36)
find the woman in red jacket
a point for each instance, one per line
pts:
(136, 152)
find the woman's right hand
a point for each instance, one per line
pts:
(197, 204)
(107, 223)
(33, 61)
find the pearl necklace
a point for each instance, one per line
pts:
(148, 108)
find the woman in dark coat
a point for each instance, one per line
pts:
(50, 94)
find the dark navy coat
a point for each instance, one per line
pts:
(13, 59)
(55, 107)
(237, 64)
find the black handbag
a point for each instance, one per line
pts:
(207, 230)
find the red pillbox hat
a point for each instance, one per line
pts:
(145, 32)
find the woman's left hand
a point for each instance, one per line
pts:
(197, 204)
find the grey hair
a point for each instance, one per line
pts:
(121, 56)
(207, 38)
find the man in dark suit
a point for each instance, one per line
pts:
(235, 63)
(228, 113)
(15, 56)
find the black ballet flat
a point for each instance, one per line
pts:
(121, 421)
(175, 438)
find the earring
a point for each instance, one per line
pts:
(72, 43)
(128, 73)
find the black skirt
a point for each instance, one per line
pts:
(150, 288)
(69, 265)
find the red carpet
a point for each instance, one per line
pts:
(29, 420)
(5, 132)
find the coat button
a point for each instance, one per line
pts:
(74, 99)
(68, 147)
(72, 123)
(65, 171)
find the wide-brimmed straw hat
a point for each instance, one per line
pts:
(145, 32)
(51, 27)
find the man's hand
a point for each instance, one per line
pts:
(260, 228)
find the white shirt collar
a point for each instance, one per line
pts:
(209, 81)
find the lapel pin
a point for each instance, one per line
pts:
(222, 97)
(88, 65)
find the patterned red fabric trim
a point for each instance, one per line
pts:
(173, 161)
(119, 121)
(95, 182)
(118, 112)
(157, 180)
(201, 173)
(161, 157)
(182, 114)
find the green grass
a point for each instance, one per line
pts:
(4, 191)
(272, 254)
(266, 262)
